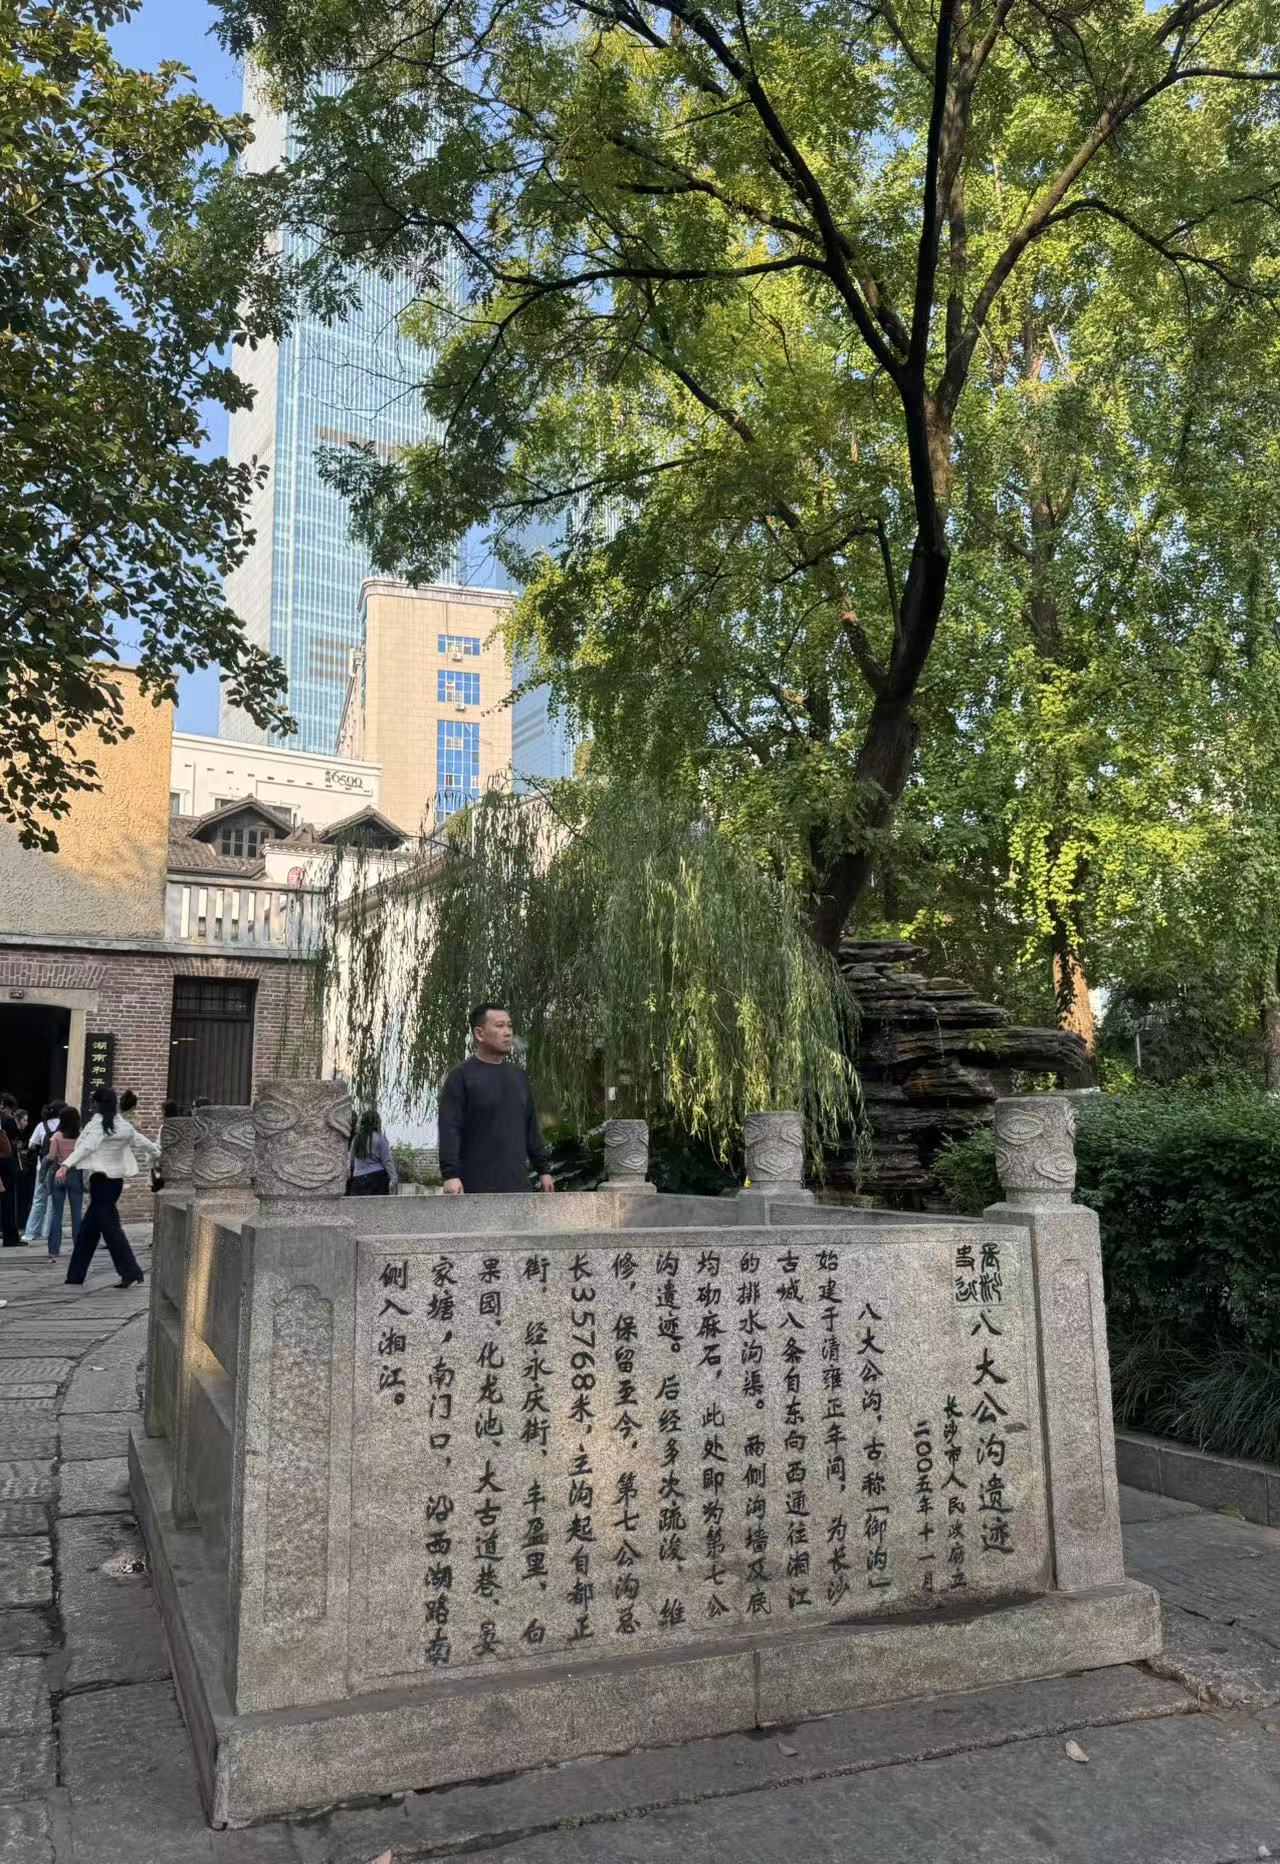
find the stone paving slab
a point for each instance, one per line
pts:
(107, 1377)
(474, 1817)
(113, 1630)
(100, 1486)
(85, 1437)
(15, 1405)
(27, 1480)
(1219, 1663)
(114, 1806)
(29, 1371)
(1218, 1799)
(40, 1388)
(25, 1633)
(25, 1836)
(29, 1437)
(1215, 1566)
(28, 1764)
(24, 1518)
(24, 1696)
(26, 1571)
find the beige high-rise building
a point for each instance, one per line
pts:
(428, 697)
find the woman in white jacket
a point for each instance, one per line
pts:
(105, 1152)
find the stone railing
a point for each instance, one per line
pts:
(419, 1474)
(249, 916)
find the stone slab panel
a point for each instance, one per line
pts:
(29, 1479)
(39, 1393)
(1224, 1569)
(29, 1437)
(815, 1675)
(85, 1438)
(100, 1486)
(26, 1571)
(288, 1759)
(25, 1834)
(1213, 1798)
(466, 1818)
(658, 1445)
(113, 1631)
(1138, 1461)
(1215, 1481)
(24, 1696)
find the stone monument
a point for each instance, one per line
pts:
(480, 1483)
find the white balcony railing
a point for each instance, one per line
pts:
(254, 916)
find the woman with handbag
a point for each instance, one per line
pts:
(106, 1152)
(63, 1190)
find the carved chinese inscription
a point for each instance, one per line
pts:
(593, 1445)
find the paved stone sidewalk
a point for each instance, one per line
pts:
(1183, 1756)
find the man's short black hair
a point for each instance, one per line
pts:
(477, 1016)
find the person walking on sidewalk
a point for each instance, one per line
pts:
(38, 1216)
(63, 1190)
(10, 1169)
(106, 1152)
(488, 1123)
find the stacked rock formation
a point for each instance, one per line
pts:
(933, 1061)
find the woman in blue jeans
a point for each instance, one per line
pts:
(61, 1146)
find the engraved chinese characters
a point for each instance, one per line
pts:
(592, 1445)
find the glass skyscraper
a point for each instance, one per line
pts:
(298, 591)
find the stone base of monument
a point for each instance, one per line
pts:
(254, 1766)
(441, 1488)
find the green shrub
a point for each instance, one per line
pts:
(1187, 1190)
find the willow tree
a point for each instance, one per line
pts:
(650, 967)
(727, 273)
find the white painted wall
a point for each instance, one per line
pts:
(321, 790)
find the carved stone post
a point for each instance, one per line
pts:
(178, 1153)
(626, 1154)
(775, 1157)
(222, 1174)
(223, 1149)
(1035, 1156)
(302, 1139)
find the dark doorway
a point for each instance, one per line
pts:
(211, 1042)
(33, 1053)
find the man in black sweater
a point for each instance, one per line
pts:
(489, 1131)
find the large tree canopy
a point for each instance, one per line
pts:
(125, 272)
(752, 302)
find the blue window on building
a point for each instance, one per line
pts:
(457, 688)
(468, 644)
(457, 765)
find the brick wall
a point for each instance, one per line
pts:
(135, 1001)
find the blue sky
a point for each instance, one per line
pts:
(182, 29)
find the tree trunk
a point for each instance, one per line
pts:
(1270, 1017)
(1071, 989)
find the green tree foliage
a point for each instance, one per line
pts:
(126, 268)
(637, 952)
(790, 320)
